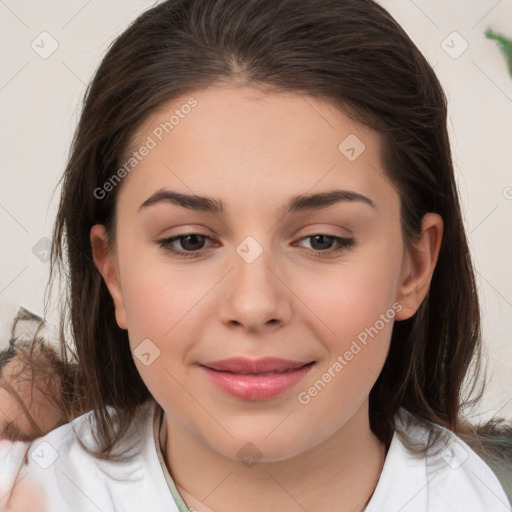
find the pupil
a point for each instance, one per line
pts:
(324, 237)
(193, 237)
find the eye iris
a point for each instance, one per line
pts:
(186, 245)
(326, 245)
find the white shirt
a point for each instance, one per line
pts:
(54, 474)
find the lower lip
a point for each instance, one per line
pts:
(256, 387)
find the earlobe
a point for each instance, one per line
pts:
(106, 263)
(419, 265)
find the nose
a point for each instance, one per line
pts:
(255, 294)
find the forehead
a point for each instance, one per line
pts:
(238, 141)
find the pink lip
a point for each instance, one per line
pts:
(259, 379)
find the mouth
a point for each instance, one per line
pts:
(260, 379)
(260, 374)
(267, 365)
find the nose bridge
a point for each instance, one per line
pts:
(255, 294)
(254, 262)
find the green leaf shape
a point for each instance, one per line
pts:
(504, 44)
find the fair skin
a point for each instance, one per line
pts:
(254, 151)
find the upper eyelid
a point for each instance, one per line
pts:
(310, 229)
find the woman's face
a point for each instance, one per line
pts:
(263, 276)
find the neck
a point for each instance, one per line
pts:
(340, 474)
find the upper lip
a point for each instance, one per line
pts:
(264, 365)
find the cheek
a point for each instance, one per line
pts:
(159, 295)
(358, 309)
(165, 304)
(352, 297)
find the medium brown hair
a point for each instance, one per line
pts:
(351, 53)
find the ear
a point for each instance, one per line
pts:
(106, 263)
(418, 266)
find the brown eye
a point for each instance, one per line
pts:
(322, 243)
(190, 243)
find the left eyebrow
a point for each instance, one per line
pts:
(325, 199)
(296, 203)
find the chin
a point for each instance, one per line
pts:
(260, 447)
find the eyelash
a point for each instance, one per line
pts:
(343, 245)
